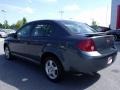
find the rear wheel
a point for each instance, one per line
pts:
(7, 53)
(53, 69)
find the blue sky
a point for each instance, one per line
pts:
(79, 10)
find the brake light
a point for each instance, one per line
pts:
(87, 45)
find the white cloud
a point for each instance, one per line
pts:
(48, 1)
(23, 10)
(100, 15)
(29, 1)
(71, 8)
(51, 0)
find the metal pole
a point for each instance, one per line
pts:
(61, 14)
(4, 13)
(107, 13)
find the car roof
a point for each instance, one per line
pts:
(55, 21)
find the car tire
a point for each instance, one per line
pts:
(53, 69)
(0, 36)
(8, 54)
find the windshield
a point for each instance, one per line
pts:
(77, 27)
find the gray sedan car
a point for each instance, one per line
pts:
(62, 46)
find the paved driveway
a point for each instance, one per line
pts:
(21, 75)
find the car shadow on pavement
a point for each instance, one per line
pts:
(21, 75)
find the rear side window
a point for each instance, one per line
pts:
(77, 28)
(42, 30)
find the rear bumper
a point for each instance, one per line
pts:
(91, 62)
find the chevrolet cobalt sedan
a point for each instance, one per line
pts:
(61, 46)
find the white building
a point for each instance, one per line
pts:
(115, 15)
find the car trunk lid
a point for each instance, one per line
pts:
(102, 41)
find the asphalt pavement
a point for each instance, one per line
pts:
(22, 75)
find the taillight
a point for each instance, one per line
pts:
(87, 45)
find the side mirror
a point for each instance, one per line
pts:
(14, 35)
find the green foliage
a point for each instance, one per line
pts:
(24, 20)
(19, 24)
(13, 26)
(5, 25)
(94, 24)
(1, 25)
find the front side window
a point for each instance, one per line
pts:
(24, 32)
(42, 30)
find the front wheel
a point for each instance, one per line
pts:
(53, 69)
(7, 53)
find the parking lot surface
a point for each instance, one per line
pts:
(21, 75)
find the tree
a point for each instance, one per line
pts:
(1, 26)
(5, 25)
(19, 24)
(24, 20)
(13, 26)
(94, 24)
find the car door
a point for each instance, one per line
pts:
(19, 44)
(41, 36)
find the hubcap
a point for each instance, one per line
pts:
(7, 52)
(51, 69)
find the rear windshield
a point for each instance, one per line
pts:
(77, 27)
